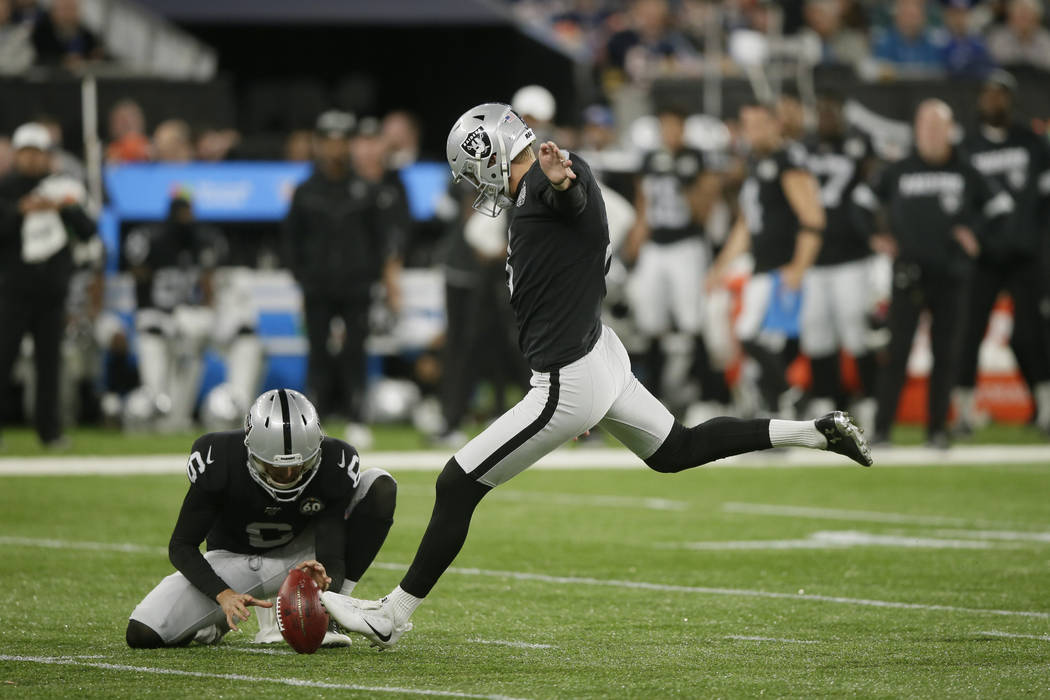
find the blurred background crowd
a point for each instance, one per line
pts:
(197, 203)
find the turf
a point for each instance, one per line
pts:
(22, 442)
(604, 641)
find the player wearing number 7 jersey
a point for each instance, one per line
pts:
(276, 495)
(581, 373)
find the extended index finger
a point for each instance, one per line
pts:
(249, 600)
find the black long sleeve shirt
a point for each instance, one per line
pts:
(227, 508)
(925, 202)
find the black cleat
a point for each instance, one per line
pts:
(845, 437)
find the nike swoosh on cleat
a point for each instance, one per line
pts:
(382, 637)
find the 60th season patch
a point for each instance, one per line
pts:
(311, 506)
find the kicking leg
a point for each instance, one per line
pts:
(638, 420)
(556, 409)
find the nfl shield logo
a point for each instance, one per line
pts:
(477, 144)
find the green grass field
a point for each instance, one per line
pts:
(901, 582)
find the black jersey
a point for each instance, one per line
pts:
(1019, 162)
(838, 164)
(666, 179)
(924, 204)
(770, 218)
(167, 260)
(557, 257)
(228, 509)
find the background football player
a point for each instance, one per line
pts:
(558, 255)
(276, 495)
(675, 195)
(835, 294)
(937, 208)
(183, 305)
(781, 223)
(1019, 162)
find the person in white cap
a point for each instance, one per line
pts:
(39, 215)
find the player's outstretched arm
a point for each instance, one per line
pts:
(803, 193)
(738, 243)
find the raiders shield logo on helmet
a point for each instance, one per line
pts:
(477, 144)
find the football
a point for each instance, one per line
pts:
(301, 618)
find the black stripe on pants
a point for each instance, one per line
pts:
(526, 433)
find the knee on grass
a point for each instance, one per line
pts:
(140, 636)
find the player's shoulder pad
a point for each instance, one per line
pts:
(340, 460)
(212, 456)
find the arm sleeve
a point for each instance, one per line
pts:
(394, 219)
(198, 514)
(77, 221)
(292, 234)
(568, 202)
(867, 201)
(1043, 173)
(10, 219)
(992, 202)
(330, 545)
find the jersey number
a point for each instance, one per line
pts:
(666, 206)
(834, 173)
(195, 467)
(269, 534)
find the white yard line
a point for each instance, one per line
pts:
(838, 540)
(297, 682)
(585, 458)
(739, 592)
(249, 650)
(842, 514)
(125, 547)
(516, 645)
(587, 581)
(743, 638)
(1003, 535)
(1009, 635)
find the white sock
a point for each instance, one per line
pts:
(796, 433)
(404, 604)
(1042, 404)
(966, 402)
(348, 587)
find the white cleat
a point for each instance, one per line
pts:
(372, 619)
(268, 632)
